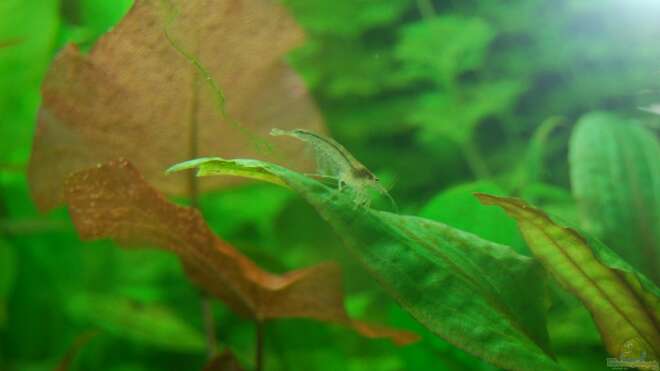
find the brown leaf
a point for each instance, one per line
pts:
(225, 361)
(114, 201)
(137, 97)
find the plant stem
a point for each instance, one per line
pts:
(475, 161)
(426, 8)
(193, 191)
(259, 352)
(209, 324)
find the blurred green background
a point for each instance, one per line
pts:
(439, 98)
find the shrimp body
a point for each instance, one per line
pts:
(335, 161)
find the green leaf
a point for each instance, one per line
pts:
(456, 113)
(480, 296)
(615, 175)
(533, 167)
(208, 166)
(330, 17)
(371, 69)
(144, 323)
(444, 47)
(624, 304)
(458, 208)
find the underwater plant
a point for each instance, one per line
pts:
(529, 231)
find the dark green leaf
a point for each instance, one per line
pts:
(478, 295)
(615, 175)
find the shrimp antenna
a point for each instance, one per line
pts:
(382, 190)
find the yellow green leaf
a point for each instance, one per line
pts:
(624, 303)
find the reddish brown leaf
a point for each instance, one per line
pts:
(137, 97)
(114, 201)
(225, 361)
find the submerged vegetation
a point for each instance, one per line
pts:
(525, 233)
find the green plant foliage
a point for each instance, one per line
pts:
(7, 277)
(364, 14)
(149, 324)
(624, 303)
(457, 207)
(426, 54)
(22, 65)
(551, 101)
(461, 287)
(615, 176)
(455, 114)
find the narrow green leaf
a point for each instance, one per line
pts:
(624, 304)
(208, 166)
(480, 296)
(615, 176)
(144, 323)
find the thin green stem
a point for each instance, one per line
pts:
(209, 325)
(193, 191)
(475, 161)
(259, 143)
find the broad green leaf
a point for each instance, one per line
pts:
(458, 208)
(615, 176)
(7, 274)
(144, 323)
(624, 304)
(480, 296)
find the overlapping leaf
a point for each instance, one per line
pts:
(114, 201)
(478, 295)
(457, 207)
(624, 304)
(136, 96)
(615, 176)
